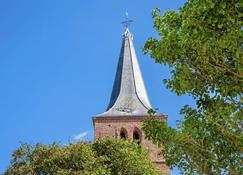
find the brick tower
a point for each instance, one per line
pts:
(128, 105)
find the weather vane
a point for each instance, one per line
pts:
(127, 21)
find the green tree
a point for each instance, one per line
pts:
(125, 157)
(202, 46)
(104, 157)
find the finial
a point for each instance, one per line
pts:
(127, 21)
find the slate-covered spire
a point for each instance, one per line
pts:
(129, 96)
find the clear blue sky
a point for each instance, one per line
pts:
(57, 66)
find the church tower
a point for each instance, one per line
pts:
(128, 105)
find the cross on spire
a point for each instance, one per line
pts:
(127, 21)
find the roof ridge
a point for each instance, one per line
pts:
(135, 80)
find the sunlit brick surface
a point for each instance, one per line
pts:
(113, 126)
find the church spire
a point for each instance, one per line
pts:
(129, 96)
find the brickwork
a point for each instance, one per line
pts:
(126, 126)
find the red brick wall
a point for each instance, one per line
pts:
(112, 126)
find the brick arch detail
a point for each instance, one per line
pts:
(136, 129)
(123, 130)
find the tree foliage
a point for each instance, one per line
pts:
(104, 157)
(202, 45)
(125, 157)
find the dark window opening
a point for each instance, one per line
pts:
(123, 135)
(136, 137)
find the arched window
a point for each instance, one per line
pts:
(137, 135)
(123, 134)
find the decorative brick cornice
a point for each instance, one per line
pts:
(133, 118)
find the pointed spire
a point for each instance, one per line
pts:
(129, 96)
